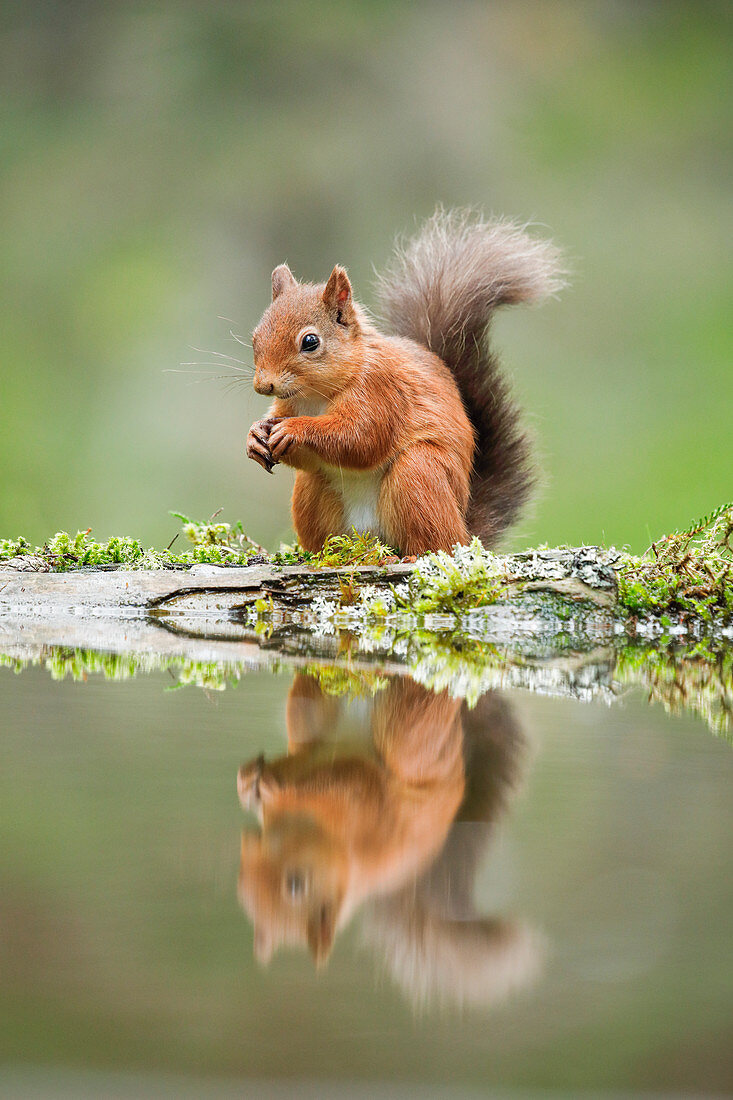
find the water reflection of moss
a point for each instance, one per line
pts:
(337, 680)
(15, 664)
(80, 663)
(695, 678)
(454, 662)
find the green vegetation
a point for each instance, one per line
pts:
(217, 543)
(684, 577)
(338, 551)
(695, 678)
(158, 160)
(340, 680)
(64, 551)
(213, 544)
(686, 573)
(470, 577)
(111, 273)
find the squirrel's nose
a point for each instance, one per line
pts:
(263, 387)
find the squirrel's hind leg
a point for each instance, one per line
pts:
(317, 510)
(419, 508)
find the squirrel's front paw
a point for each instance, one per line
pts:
(258, 447)
(283, 438)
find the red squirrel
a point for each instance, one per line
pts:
(392, 824)
(412, 437)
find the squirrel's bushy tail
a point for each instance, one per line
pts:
(441, 289)
(435, 944)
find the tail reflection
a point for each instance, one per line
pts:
(386, 806)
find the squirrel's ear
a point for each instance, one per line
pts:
(337, 296)
(282, 279)
(264, 946)
(320, 930)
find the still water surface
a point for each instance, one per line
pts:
(273, 890)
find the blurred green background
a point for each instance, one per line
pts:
(159, 158)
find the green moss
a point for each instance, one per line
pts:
(338, 551)
(451, 583)
(218, 543)
(12, 548)
(688, 572)
(212, 544)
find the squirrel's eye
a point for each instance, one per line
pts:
(309, 342)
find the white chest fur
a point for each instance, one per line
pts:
(314, 406)
(359, 491)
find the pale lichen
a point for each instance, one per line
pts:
(469, 577)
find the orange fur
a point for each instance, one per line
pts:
(388, 813)
(317, 509)
(345, 819)
(413, 437)
(382, 407)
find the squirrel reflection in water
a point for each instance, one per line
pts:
(392, 822)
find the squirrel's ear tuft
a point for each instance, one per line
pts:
(282, 279)
(337, 295)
